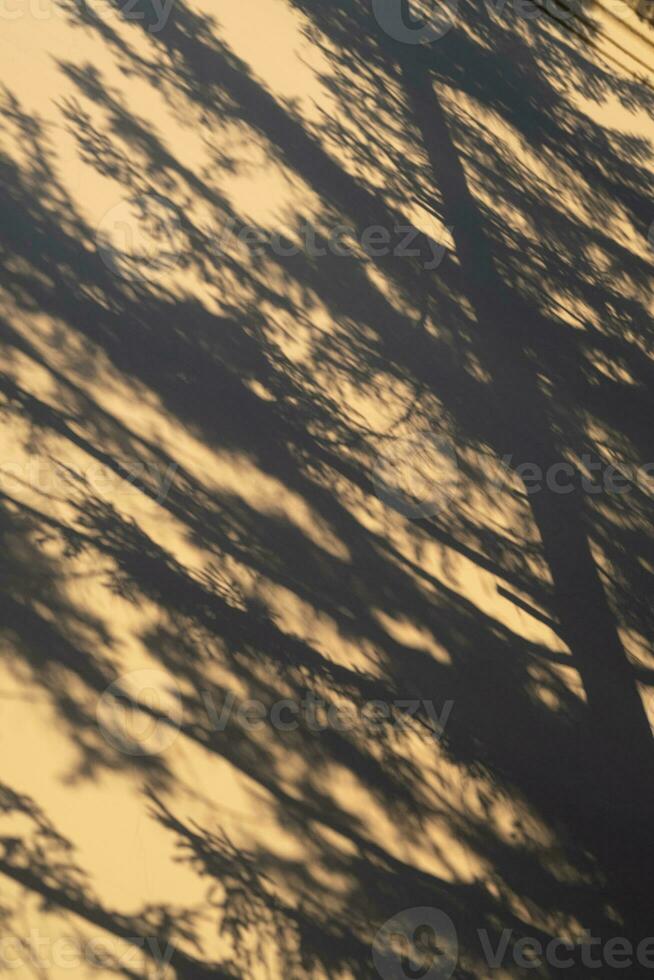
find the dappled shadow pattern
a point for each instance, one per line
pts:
(531, 343)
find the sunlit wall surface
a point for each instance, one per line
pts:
(326, 489)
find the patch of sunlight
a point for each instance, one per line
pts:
(408, 634)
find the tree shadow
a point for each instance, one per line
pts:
(243, 524)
